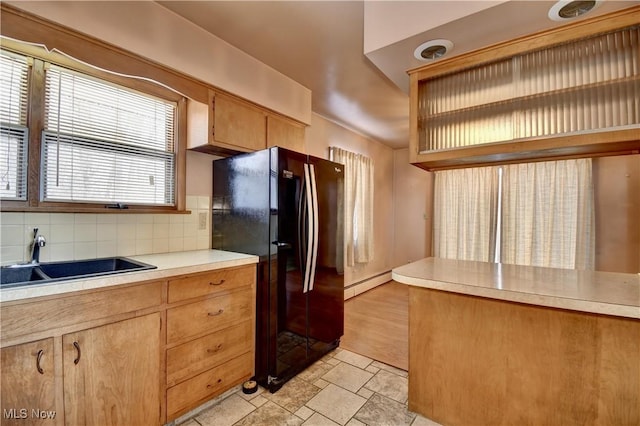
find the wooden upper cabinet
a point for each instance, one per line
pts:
(285, 134)
(226, 125)
(565, 93)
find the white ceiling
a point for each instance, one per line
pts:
(320, 44)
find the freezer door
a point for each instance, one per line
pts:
(326, 298)
(289, 289)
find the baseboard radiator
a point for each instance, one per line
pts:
(366, 284)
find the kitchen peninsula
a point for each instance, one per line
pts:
(505, 344)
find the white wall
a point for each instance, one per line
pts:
(412, 192)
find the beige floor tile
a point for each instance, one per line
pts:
(390, 385)
(355, 422)
(258, 401)
(315, 371)
(321, 383)
(319, 420)
(365, 393)
(294, 394)
(382, 411)
(270, 414)
(304, 413)
(226, 412)
(353, 359)
(423, 421)
(347, 376)
(190, 423)
(372, 369)
(389, 368)
(336, 403)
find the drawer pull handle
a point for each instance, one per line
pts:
(77, 346)
(216, 349)
(39, 357)
(218, 283)
(215, 314)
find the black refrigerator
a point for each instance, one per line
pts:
(286, 208)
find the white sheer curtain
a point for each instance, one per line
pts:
(465, 213)
(547, 214)
(358, 200)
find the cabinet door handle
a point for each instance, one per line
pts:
(38, 358)
(216, 349)
(77, 346)
(215, 314)
(218, 283)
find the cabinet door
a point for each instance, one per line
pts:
(112, 373)
(28, 384)
(285, 134)
(238, 125)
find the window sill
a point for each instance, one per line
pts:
(94, 210)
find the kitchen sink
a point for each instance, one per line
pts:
(18, 275)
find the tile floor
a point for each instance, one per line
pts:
(343, 388)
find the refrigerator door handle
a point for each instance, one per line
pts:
(314, 205)
(309, 244)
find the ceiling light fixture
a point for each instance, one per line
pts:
(432, 50)
(571, 9)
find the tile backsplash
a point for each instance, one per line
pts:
(84, 235)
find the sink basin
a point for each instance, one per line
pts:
(20, 274)
(91, 267)
(11, 276)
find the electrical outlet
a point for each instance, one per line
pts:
(202, 221)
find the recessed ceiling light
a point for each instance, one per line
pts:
(570, 9)
(432, 50)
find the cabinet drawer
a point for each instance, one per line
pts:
(194, 357)
(210, 282)
(209, 315)
(193, 392)
(31, 317)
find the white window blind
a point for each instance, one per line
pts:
(14, 137)
(104, 143)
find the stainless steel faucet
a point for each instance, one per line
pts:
(38, 241)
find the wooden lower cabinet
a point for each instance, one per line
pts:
(210, 338)
(28, 384)
(112, 373)
(137, 354)
(201, 388)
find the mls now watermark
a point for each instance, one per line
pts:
(24, 413)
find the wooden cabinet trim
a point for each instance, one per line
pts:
(51, 315)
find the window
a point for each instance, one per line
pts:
(105, 144)
(105, 140)
(538, 214)
(14, 134)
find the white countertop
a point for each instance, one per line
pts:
(606, 293)
(168, 264)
